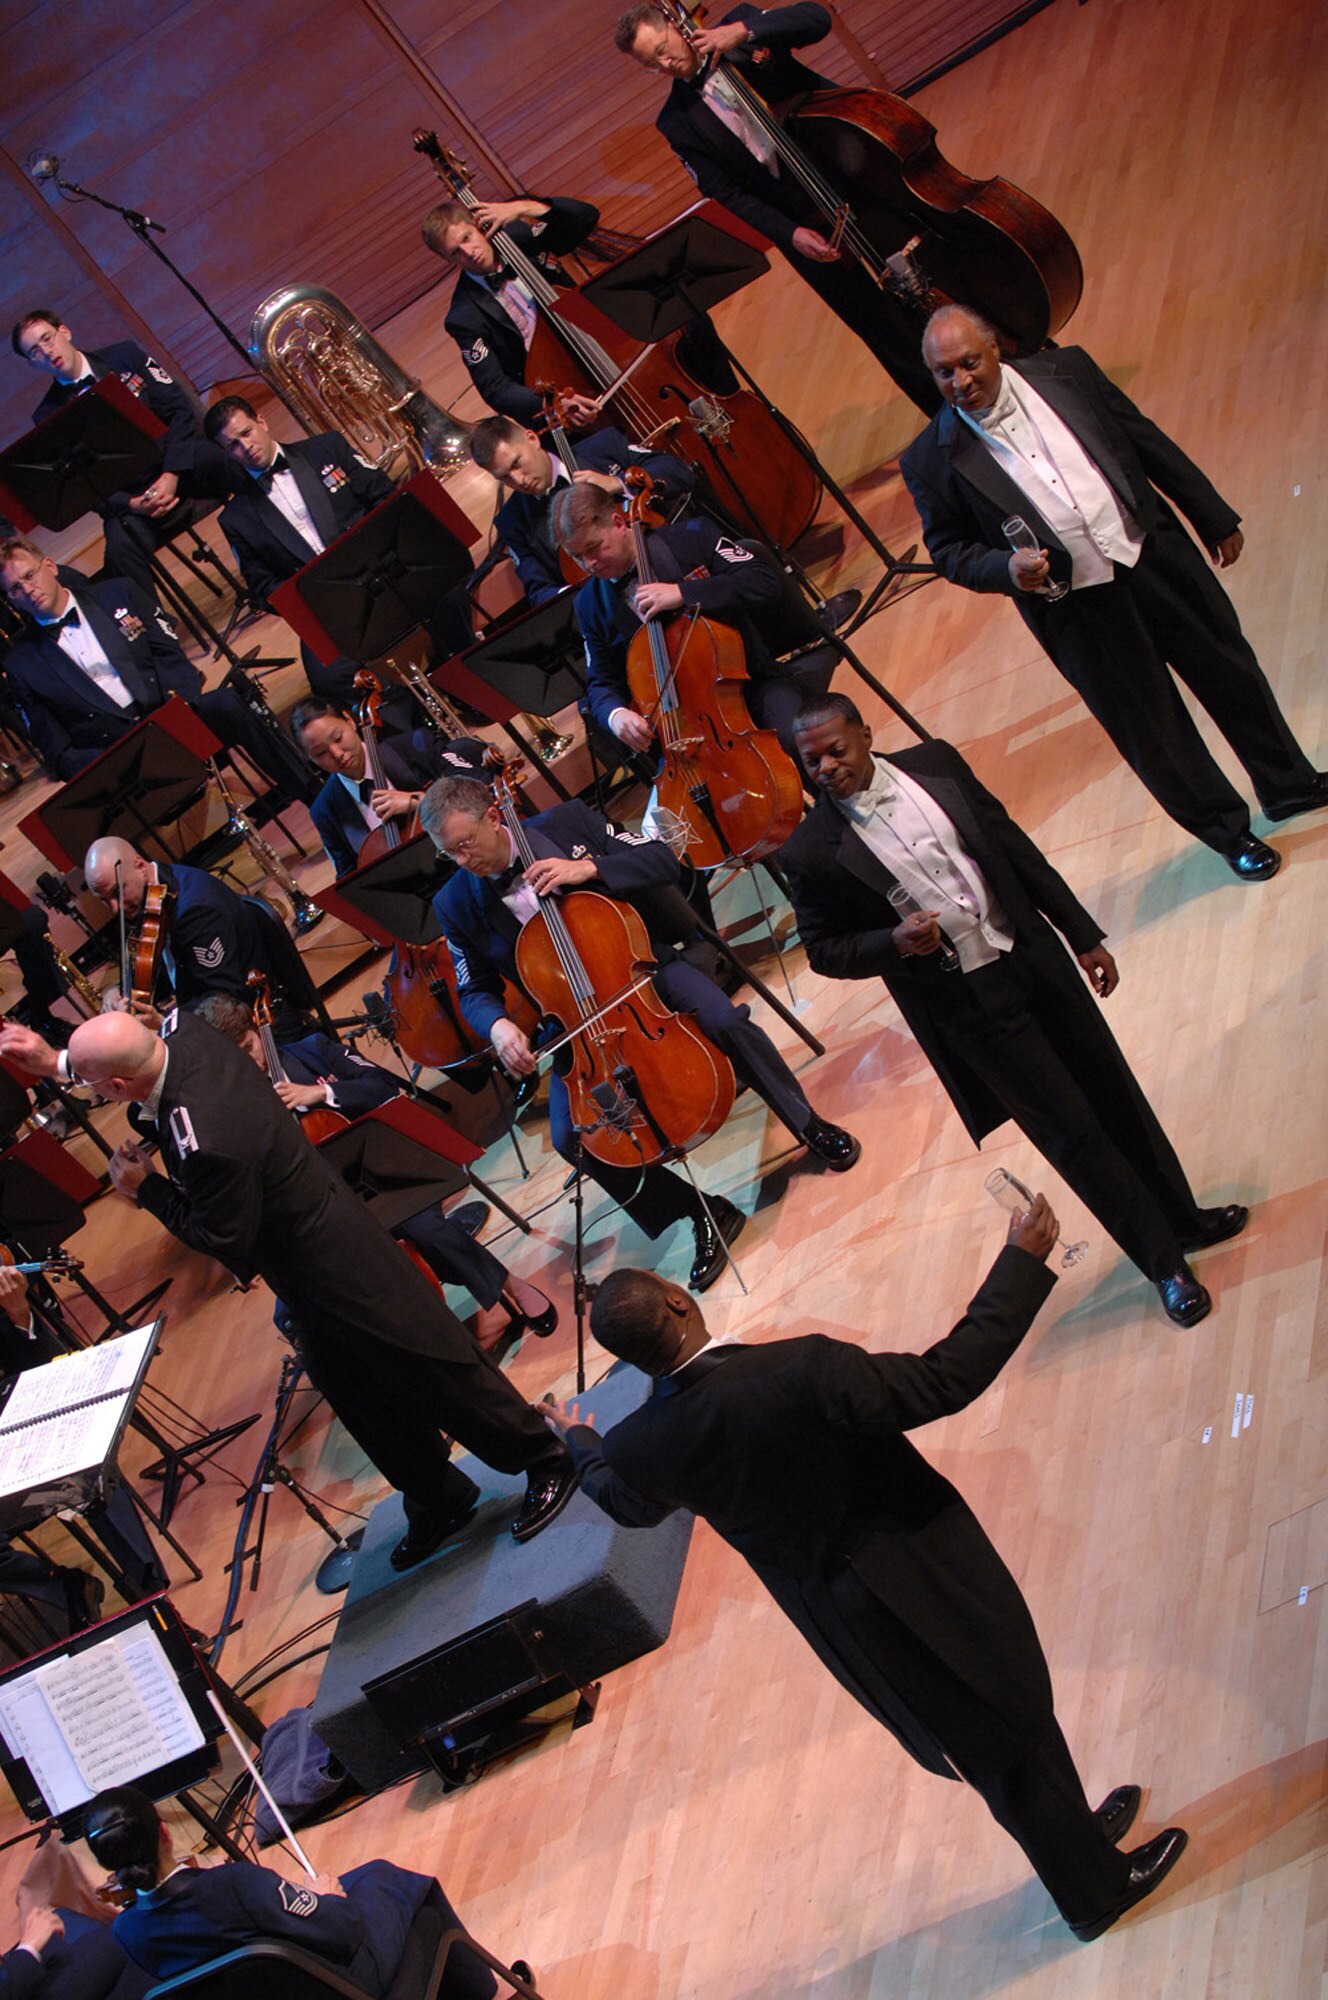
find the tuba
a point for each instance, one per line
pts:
(338, 378)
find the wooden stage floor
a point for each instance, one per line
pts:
(732, 1826)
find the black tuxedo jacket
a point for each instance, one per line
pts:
(482, 931)
(796, 1453)
(182, 449)
(523, 520)
(69, 719)
(962, 494)
(716, 158)
(241, 1183)
(491, 347)
(337, 486)
(840, 892)
(735, 582)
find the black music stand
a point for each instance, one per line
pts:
(537, 663)
(667, 284)
(380, 581)
(73, 462)
(146, 779)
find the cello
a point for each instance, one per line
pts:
(732, 788)
(917, 226)
(642, 1081)
(320, 1121)
(764, 485)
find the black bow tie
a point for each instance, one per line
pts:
(502, 883)
(366, 789)
(71, 618)
(265, 477)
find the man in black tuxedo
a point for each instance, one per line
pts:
(518, 459)
(293, 500)
(984, 984)
(482, 909)
(350, 805)
(795, 1453)
(1053, 440)
(697, 567)
(160, 502)
(241, 1183)
(98, 658)
(320, 1072)
(492, 316)
(732, 160)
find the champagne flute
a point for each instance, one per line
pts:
(905, 905)
(1020, 536)
(1012, 1194)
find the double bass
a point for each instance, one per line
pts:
(642, 1080)
(868, 164)
(764, 485)
(730, 789)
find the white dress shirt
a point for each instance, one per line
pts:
(724, 100)
(519, 897)
(80, 644)
(919, 843)
(362, 806)
(517, 303)
(287, 498)
(1046, 461)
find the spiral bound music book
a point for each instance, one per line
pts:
(60, 1423)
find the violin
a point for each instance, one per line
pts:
(918, 226)
(763, 484)
(731, 790)
(141, 956)
(642, 1081)
(59, 1265)
(320, 1121)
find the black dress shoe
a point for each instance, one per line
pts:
(709, 1261)
(544, 1501)
(540, 1324)
(831, 1143)
(836, 611)
(1184, 1299)
(1253, 859)
(1314, 796)
(1215, 1225)
(1118, 1812)
(1148, 1865)
(470, 1216)
(428, 1532)
(525, 1090)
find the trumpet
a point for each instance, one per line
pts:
(411, 676)
(306, 914)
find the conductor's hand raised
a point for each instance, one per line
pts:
(1034, 1229)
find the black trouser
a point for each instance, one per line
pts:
(397, 1405)
(337, 685)
(133, 539)
(456, 1255)
(774, 700)
(241, 728)
(1115, 642)
(1018, 1762)
(1046, 1053)
(889, 328)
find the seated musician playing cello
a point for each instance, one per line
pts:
(320, 1071)
(482, 909)
(698, 567)
(350, 805)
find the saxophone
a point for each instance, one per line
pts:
(306, 914)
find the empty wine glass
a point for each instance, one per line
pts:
(1020, 536)
(1012, 1194)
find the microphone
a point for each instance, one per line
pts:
(43, 166)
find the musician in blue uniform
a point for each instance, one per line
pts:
(351, 806)
(321, 1072)
(697, 567)
(98, 658)
(159, 503)
(519, 459)
(182, 1916)
(482, 909)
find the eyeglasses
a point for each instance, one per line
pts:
(460, 850)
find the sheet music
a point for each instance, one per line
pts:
(73, 1442)
(105, 1716)
(72, 1379)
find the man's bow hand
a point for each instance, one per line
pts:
(128, 1167)
(919, 935)
(810, 243)
(1100, 970)
(1034, 1229)
(512, 1047)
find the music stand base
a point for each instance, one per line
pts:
(333, 1574)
